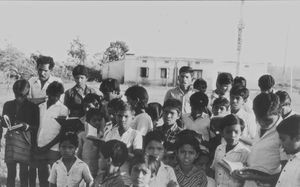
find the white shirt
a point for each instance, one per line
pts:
(165, 174)
(251, 127)
(142, 123)
(62, 178)
(201, 125)
(290, 174)
(238, 154)
(49, 128)
(36, 90)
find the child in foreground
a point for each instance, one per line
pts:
(69, 170)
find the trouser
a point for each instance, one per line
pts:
(11, 174)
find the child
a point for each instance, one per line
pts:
(285, 104)
(154, 110)
(198, 120)
(153, 145)
(223, 86)
(69, 170)
(115, 153)
(171, 113)
(266, 84)
(74, 96)
(90, 101)
(112, 109)
(200, 85)
(87, 150)
(239, 81)
(220, 107)
(231, 127)
(184, 90)
(187, 152)
(289, 134)
(49, 131)
(238, 97)
(137, 97)
(20, 111)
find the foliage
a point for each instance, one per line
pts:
(77, 51)
(116, 51)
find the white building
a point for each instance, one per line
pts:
(164, 70)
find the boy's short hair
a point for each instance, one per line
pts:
(266, 104)
(116, 150)
(230, 120)
(240, 81)
(186, 69)
(154, 110)
(71, 137)
(138, 93)
(93, 112)
(184, 138)
(221, 101)
(123, 106)
(284, 98)
(110, 85)
(55, 89)
(173, 103)
(21, 87)
(80, 70)
(154, 135)
(150, 161)
(200, 84)
(224, 78)
(240, 91)
(199, 100)
(290, 126)
(266, 82)
(41, 60)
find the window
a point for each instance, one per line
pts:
(144, 72)
(163, 73)
(144, 61)
(198, 73)
(166, 61)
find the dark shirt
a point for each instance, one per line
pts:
(73, 100)
(170, 132)
(27, 113)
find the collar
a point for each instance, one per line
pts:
(190, 173)
(190, 88)
(77, 161)
(172, 128)
(235, 149)
(58, 103)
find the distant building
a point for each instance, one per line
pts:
(163, 71)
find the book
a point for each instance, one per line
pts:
(8, 124)
(70, 124)
(231, 166)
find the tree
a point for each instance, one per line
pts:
(116, 51)
(77, 51)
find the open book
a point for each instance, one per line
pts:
(8, 124)
(231, 166)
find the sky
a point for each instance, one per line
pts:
(198, 29)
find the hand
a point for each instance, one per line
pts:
(242, 175)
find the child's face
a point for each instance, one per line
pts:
(232, 134)
(220, 110)
(186, 155)
(125, 118)
(223, 88)
(80, 80)
(236, 102)
(155, 148)
(140, 175)
(67, 150)
(112, 115)
(170, 115)
(185, 79)
(95, 121)
(289, 144)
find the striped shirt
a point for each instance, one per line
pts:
(196, 177)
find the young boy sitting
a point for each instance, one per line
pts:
(74, 96)
(69, 170)
(289, 134)
(223, 86)
(285, 104)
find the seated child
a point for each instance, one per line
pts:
(200, 85)
(69, 170)
(154, 146)
(223, 86)
(266, 84)
(170, 128)
(187, 152)
(115, 153)
(232, 150)
(285, 104)
(154, 110)
(289, 134)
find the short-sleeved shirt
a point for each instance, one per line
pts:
(73, 100)
(290, 174)
(238, 154)
(196, 177)
(177, 93)
(36, 89)
(200, 125)
(72, 178)
(251, 127)
(165, 174)
(142, 123)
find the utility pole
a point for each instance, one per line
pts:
(241, 26)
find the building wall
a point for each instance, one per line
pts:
(114, 70)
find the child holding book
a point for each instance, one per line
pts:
(232, 150)
(69, 170)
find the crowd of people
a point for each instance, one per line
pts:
(114, 140)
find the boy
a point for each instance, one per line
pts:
(266, 84)
(74, 96)
(200, 85)
(239, 81)
(69, 170)
(238, 97)
(49, 131)
(223, 86)
(285, 104)
(184, 90)
(220, 107)
(289, 134)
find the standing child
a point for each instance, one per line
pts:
(154, 110)
(232, 150)
(289, 134)
(74, 96)
(20, 111)
(69, 170)
(223, 86)
(266, 84)
(137, 97)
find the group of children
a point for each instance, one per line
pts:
(122, 140)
